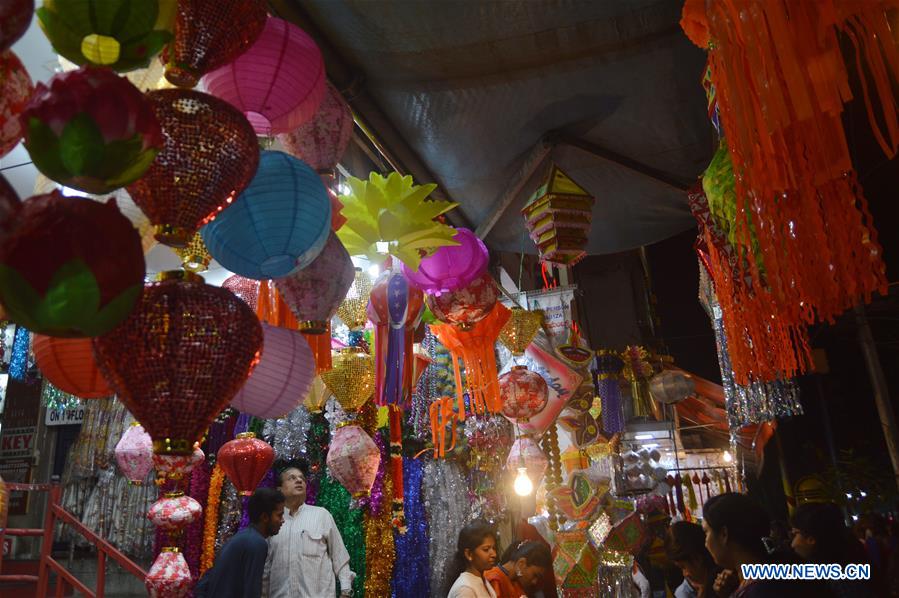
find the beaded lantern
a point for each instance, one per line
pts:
(450, 267)
(180, 357)
(209, 156)
(353, 460)
(169, 577)
(523, 393)
(209, 34)
(466, 306)
(321, 142)
(352, 378)
(194, 257)
(246, 460)
(278, 83)
(70, 266)
(277, 225)
(15, 16)
(352, 311)
(15, 91)
(558, 217)
(70, 366)
(91, 130)
(520, 330)
(134, 453)
(245, 288)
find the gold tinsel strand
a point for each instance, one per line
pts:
(379, 549)
(550, 445)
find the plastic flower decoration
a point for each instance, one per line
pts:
(391, 216)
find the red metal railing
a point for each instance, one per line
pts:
(47, 563)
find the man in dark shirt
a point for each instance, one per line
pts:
(237, 572)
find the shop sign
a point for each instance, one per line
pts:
(18, 471)
(17, 442)
(64, 417)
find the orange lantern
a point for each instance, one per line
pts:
(69, 365)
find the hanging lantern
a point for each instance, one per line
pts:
(352, 311)
(466, 306)
(194, 257)
(671, 386)
(451, 267)
(209, 34)
(353, 460)
(526, 450)
(91, 130)
(314, 292)
(245, 288)
(70, 366)
(122, 37)
(637, 370)
(317, 396)
(180, 357)
(520, 330)
(524, 393)
(278, 83)
(15, 16)
(169, 577)
(246, 460)
(321, 142)
(15, 91)
(134, 454)
(281, 378)
(352, 377)
(177, 466)
(70, 266)
(608, 369)
(174, 511)
(9, 207)
(575, 563)
(558, 218)
(278, 224)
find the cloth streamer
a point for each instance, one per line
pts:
(272, 308)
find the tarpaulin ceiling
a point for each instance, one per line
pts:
(472, 87)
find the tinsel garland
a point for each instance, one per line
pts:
(200, 479)
(608, 368)
(412, 547)
(489, 440)
(268, 481)
(210, 516)
(334, 497)
(53, 398)
(398, 518)
(550, 446)
(18, 360)
(425, 393)
(287, 435)
(445, 494)
(220, 432)
(316, 450)
(230, 509)
(379, 550)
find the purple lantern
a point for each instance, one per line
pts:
(321, 142)
(278, 83)
(282, 376)
(451, 267)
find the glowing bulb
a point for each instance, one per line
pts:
(374, 271)
(728, 457)
(523, 484)
(382, 246)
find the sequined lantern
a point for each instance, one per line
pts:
(353, 460)
(245, 288)
(321, 142)
(352, 378)
(558, 218)
(120, 34)
(466, 306)
(281, 378)
(70, 366)
(246, 460)
(278, 83)
(70, 266)
(671, 386)
(353, 309)
(209, 34)
(169, 577)
(278, 224)
(180, 357)
(174, 511)
(210, 156)
(315, 292)
(526, 453)
(194, 257)
(15, 16)
(15, 91)
(524, 393)
(91, 130)
(520, 330)
(451, 267)
(134, 453)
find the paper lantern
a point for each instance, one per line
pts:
(524, 393)
(15, 91)
(209, 157)
(450, 267)
(180, 357)
(281, 378)
(322, 141)
(278, 83)
(352, 378)
(194, 257)
(278, 224)
(352, 311)
(15, 16)
(69, 365)
(246, 460)
(70, 266)
(169, 577)
(671, 386)
(520, 330)
(134, 453)
(558, 217)
(466, 306)
(353, 460)
(317, 396)
(315, 292)
(91, 130)
(120, 34)
(525, 450)
(175, 466)
(209, 34)
(245, 288)
(174, 511)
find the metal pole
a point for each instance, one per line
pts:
(879, 386)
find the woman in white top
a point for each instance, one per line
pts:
(475, 553)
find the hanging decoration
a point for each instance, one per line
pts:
(380, 555)
(171, 466)
(15, 91)
(353, 460)
(245, 288)
(520, 330)
(317, 396)
(194, 257)
(54, 399)
(467, 306)
(15, 16)
(442, 486)
(353, 310)
(575, 563)
(637, 370)
(523, 393)
(169, 577)
(450, 267)
(174, 511)
(442, 414)
(671, 386)
(558, 216)
(211, 520)
(134, 454)
(69, 364)
(582, 423)
(550, 445)
(9, 207)
(322, 141)
(70, 267)
(352, 379)
(525, 452)
(412, 547)
(18, 359)
(245, 460)
(209, 156)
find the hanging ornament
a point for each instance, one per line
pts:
(245, 288)
(352, 311)
(134, 454)
(558, 218)
(637, 370)
(15, 16)
(582, 423)
(575, 563)
(277, 225)
(9, 207)
(194, 257)
(174, 466)
(91, 130)
(450, 267)
(209, 157)
(15, 91)
(174, 511)
(246, 460)
(526, 453)
(69, 364)
(317, 396)
(353, 460)
(464, 307)
(181, 355)
(671, 387)
(520, 330)
(169, 577)
(352, 379)
(70, 267)
(523, 393)
(322, 141)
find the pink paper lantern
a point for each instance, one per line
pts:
(353, 460)
(282, 377)
(245, 288)
(451, 267)
(169, 577)
(174, 511)
(134, 453)
(535, 460)
(321, 142)
(176, 467)
(278, 83)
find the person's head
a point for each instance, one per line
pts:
(475, 550)
(265, 508)
(292, 479)
(734, 526)
(529, 562)
(819, 533)
(685, 547)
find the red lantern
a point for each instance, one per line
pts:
(245, 288)
(15, 91)
(245, 460)
(524, 393)
(70, 366)
(180, 357)
(466, 306)
(210, 155)
(15, 16)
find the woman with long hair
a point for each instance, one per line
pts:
(521, 569)
(475, 554)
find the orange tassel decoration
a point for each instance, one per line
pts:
(272, 309)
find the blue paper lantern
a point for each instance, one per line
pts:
(278, 225)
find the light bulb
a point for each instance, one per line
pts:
(382, 247)
(374, 271)
(523, 484)
(728, 457)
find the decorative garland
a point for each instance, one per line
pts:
(550, 446)
(334, 497)
(200, 479)
(316, 450)
(210, 524)
(396, 467)
(412, 547)
(379, 550)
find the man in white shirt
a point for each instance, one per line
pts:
(308, 552)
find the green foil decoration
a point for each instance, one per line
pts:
(334, 497)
